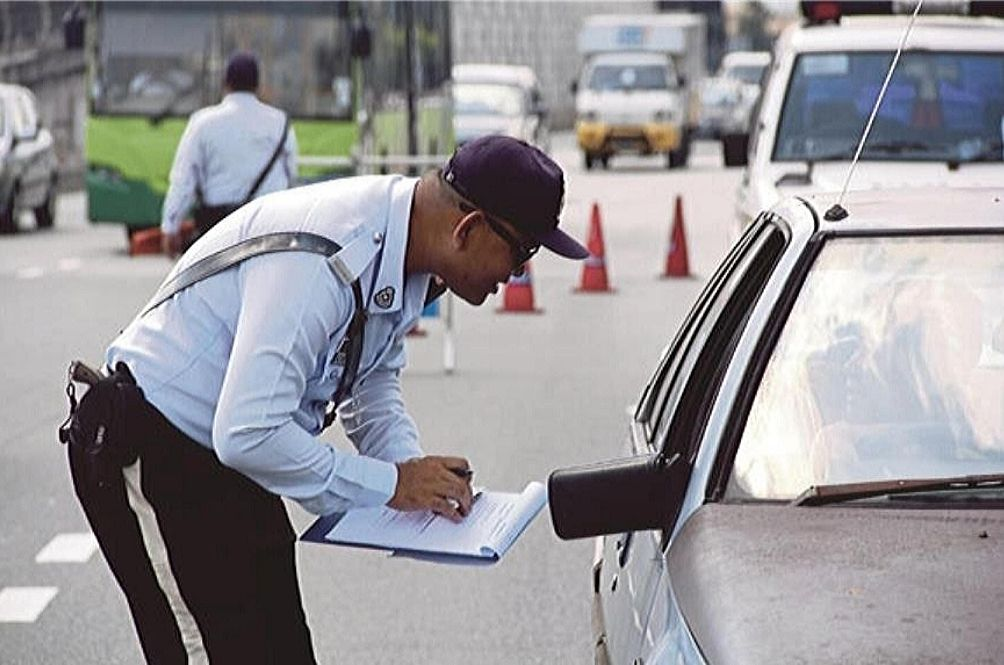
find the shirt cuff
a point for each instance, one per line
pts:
(377, 480)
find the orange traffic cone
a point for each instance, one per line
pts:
(150, 241)
(677, 264)
(518, 294)
(594, 268)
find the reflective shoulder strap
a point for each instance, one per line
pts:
(231, 256)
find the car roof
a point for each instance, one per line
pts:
(942, 33)
(928, 209)
(490, 73)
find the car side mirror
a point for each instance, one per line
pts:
(574, 87)
(631, 494)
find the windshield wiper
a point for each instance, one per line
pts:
(821, 495)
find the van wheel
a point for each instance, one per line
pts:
(8, 221)
(45, 214)
(587, 160)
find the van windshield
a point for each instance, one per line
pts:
(628, 77)
(940, 106)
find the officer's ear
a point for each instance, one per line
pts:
(463, 226)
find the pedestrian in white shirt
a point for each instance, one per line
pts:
(229, 154)
(220, 387)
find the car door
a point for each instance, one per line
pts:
(671, 417)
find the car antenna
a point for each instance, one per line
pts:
(837, 211)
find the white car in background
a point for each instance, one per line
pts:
(940, 123)
(498, 99)
(728, 100)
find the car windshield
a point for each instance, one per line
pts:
(628, 77)
(890, 365)
(487, 99)
(939, 107)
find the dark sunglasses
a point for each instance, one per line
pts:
(521, 253)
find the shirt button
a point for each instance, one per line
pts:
(377, 238)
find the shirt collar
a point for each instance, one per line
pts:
(240, 97)
(390, 283)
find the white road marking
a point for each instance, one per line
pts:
(31, 272)
(24, 604)
(70, 263)
(68, 548)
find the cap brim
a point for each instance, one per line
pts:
(563, 244)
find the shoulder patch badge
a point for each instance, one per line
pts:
(384, 297)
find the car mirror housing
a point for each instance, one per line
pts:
(631, 494)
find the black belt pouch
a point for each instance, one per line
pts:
(206, 217)
(105, 425)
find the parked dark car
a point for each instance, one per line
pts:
(817, 468)
(28, 164)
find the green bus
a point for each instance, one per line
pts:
(366, 85)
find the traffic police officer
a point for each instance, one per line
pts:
(229, 154)
(229, 380)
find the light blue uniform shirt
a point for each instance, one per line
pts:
(244, 361)
(222, 151)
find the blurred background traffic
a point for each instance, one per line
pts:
(371, 87)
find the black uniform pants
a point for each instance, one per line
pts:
(204, 555)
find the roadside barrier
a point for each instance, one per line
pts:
(517, 296)
(594, 268)
(677, 264)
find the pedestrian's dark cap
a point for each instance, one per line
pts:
(516, 182)
(242, 72)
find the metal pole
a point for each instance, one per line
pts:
(449, 348)
(409, 63)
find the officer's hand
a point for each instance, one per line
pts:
(172, 244)
(429, 483)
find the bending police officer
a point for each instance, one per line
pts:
(225, 386)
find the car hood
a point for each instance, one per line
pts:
(782, 584)
(780, 179)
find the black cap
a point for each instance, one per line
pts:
(242, 72)
(514, 181)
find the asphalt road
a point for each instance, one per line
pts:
(530, 393)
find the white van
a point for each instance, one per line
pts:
(634, 91)
(498, 99)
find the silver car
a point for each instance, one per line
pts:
(28, 164)
(817, 463)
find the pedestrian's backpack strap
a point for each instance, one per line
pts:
(279, 242)
(271, 161)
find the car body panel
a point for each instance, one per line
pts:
(840, 579)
